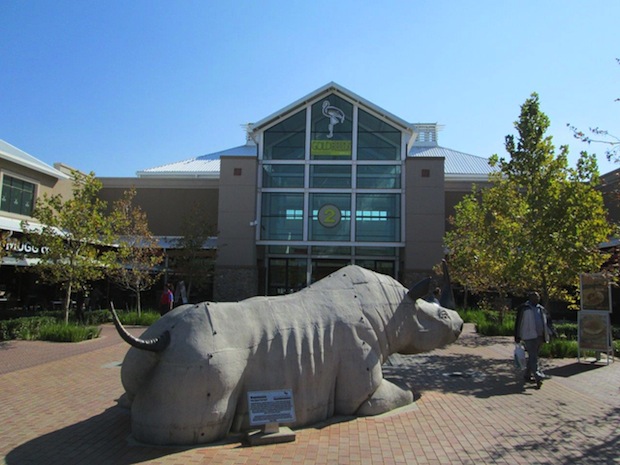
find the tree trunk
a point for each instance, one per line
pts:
(138, 303)
(67, 303)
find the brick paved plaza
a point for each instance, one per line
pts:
(59, 406)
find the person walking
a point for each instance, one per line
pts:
(533, 327)
(166, 302)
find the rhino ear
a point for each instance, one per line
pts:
(447, 295)
(419, 290)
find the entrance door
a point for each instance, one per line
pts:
(323, 267)
(286, 275)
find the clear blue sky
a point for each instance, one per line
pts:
(119, 86)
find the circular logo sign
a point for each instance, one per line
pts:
(329, 216)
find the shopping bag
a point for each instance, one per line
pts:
(519, 356)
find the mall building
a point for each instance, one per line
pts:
(329, 180)
(24, 178)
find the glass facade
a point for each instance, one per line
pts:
(331, 193)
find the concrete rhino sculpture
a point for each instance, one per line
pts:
(187, 377)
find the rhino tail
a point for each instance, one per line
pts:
(447, 294)
(157, 344)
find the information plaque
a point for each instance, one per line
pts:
(271, 407)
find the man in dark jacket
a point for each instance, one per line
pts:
(533, 327)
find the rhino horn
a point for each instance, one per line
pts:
(447, 295)
(420, 289)
(154, 345)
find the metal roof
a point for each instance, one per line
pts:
(15, 155)
(204, 166)
(455, 163)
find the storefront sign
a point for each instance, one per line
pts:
(271, 407)
(336, 148)
(17, 246)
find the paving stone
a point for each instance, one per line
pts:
(59, 406)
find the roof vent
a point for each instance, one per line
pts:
(249, 134)
(426, 134)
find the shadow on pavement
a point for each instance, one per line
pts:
(469, 375)
(102, 439)
(573, 369)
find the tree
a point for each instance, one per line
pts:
(4, 240)
(600, 136)
(192, 263)
(539, 224)
(138, 251)
(77, 235)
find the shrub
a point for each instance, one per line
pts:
(147, 318)
(60, 332)
(489, 322)
(491, 328)
(559, 348)
(97, 317)
(27, 328)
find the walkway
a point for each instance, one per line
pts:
(59, 407)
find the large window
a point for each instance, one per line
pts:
(286, 140)
(332, 129)
(378, 176)
(377, 140)
(17, 196)
(282, 217)
(283, 175)
(330, 217)
(377, 218)
(330, 176)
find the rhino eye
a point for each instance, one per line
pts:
(443, 314)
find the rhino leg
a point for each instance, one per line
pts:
(387, 397)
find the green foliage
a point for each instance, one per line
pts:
(559, 348)
(97, 317)
(60, 332)
(565, 345)
(490, 323)
(539, 224)
(146, 318)
(76, 234)
(193, 263)
(26, 328)
(45, 328)
(138, 253)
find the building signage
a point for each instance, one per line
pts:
(335, 116)
(271, 407)
(336, 148)
(329, 216)
(17, 246)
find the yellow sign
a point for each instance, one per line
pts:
(338, 148)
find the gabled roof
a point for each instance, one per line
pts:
(458, 165)
(204, 166)
(19, 157)
(324, 90)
